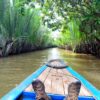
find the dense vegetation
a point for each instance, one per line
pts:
(26, 25)
(78, 22)
(21, 28)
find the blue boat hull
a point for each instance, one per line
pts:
(31, 96)
(19, 90)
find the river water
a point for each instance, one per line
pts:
(14, 69)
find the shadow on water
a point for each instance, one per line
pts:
(16, 68)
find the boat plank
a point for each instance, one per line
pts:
(67, 79)
(48, 83)
(60, 74)
(57, 80)
(44, 75)
(54, 84)
(83, 90)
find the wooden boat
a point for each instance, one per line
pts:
(56, 81)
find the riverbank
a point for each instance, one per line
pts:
(92, 48)
(14, 48)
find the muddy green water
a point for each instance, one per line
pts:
(16, 68)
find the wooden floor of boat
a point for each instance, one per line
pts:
(57, 80)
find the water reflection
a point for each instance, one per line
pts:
(16, 68)
(54, 54)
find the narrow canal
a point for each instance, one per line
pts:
(14, 69)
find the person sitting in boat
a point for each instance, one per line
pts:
(39, 88)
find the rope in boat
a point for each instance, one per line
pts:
(58, 64)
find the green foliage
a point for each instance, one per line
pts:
(70, 34)
(21, 20)
(77, 20)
